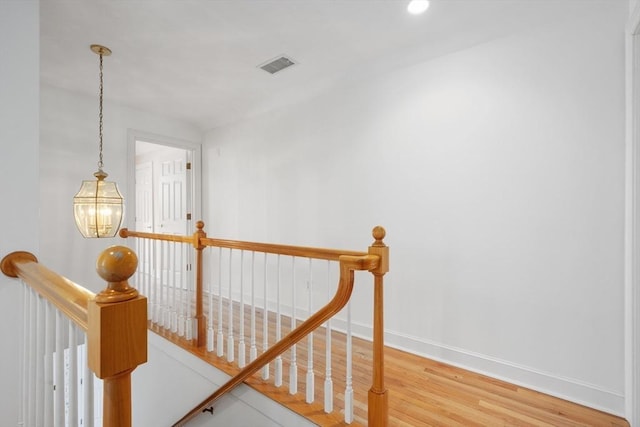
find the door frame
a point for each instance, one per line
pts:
(632, 220)
(194, 148)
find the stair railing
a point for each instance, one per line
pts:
(239, 275)
(64, 322)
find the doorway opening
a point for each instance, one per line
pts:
(165, 182)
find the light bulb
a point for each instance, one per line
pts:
(417, 7)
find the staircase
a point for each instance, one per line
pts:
(166, 387)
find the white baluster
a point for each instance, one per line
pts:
(278, 362)
(178, 289)
(182, 307)
(40, 342)
(241, 344)
(73, 375)
(33, 388)
(164, 273)
(169, 285)
(155, 281)
(253, 351)
(220, 349)
(147, 278)
(210, 341)
(230, 338)
(87, 389)
(293, 367)
(348, 392)
(159, 281)
(189, 319)
(151, 293)
(31, 354)
(161, 285)
(310, 374)
(328, 381)
(177, 271)
(22, 362)
(173, 285)
(59, 370)
(49, 348)
(265, 322)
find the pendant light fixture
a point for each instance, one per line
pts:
(98, 207)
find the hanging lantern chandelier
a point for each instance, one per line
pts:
(98, 207)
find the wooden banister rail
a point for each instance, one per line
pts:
(68, 297)
(125, 232)
(115, 320)
(348, 264)
(300, 251)
(375, 260)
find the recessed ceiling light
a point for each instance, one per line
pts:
(416, 7)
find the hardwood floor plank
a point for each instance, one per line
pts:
(422, 392)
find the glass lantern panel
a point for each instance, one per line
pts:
(98, 209)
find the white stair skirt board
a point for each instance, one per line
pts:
(173, 381)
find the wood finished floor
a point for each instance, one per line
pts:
(422, 392)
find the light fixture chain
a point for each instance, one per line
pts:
(100, 164)
(98, 206)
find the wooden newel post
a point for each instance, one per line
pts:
(117, 333)
(201, 321)
(378, 395)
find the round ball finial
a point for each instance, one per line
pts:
(200, 225)
(378, 233)
(117, 264)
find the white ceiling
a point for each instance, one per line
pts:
(196, 60)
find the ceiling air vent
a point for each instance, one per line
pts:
(278, 64)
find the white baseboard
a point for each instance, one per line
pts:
(565, 388)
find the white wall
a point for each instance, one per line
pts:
(69, 151)
(19, 79)
(498, 172)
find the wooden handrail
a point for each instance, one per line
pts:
(115, 320)
(348, 264)
(125, 232)
(301, 251)
(71, 299)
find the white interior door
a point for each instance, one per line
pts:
(144, 197)
(163, 188)
(171, 212)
